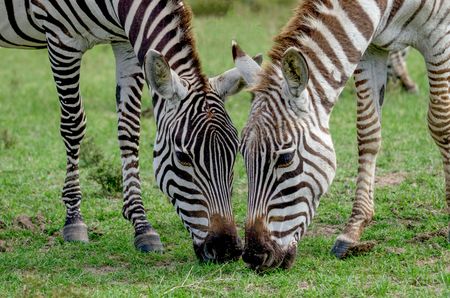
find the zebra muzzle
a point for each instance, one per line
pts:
(222, 243)
(262, 253)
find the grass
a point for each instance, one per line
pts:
(37, 262)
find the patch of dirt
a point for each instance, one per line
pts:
(24, 222)
(102, 270)
(4, 247)
(423, 237)
(390, 179)
(95, 233)
(426, 262)
(36, 223)
(51, 241)
(323, 230)
(395, 250)
(360, 248)
(303, 285)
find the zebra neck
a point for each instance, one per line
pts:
(332, 35)
(165, 26)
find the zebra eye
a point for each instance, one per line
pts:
(285, 160)
(184, 158)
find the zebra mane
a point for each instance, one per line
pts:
(185, 13)
(290, 36)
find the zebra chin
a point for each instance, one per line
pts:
(222, 243)
(262, 253)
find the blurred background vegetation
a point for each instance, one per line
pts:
(221, 7)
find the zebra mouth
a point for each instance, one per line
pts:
(270, 255)
(217, 252)
(222, 243)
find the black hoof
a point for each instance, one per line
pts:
(148, 242)
(341, 248)
(75, 232)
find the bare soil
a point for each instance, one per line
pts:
(35, 224)
(423, 237)
(395, 250)
(360, 248)
(390, 179)
(101, 270)
(323, 230)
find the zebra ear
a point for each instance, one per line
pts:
(295, 71)
(161, 78)
(231, 81)
(247, 66)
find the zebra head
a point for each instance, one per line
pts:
(194, 153)
(289, 158)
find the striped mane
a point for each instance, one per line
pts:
(185, 13)
(303, 27)
(298, 24)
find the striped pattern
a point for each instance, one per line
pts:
(196, 142)
(398, 71)
(198, 177)
(286, 143)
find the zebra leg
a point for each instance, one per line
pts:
(438, 120)
(66, 72)
(370, 81)
(401, 71)
(130, 80)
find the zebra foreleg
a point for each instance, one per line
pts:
(65, 65)
(438, 111)
(130, 80)
(370, 81)
(401, 71)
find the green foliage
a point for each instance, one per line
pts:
(106, 172)
(36, 263)
(222, 7)
(108, 175)
(210, 7)
(7, 139)
(90, 154)
(257, 5)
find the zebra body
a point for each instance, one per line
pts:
(196, 142)
(286, 144)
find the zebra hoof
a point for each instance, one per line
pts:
(76, 232)
(341, 248)
(148, 242)
(413, 89)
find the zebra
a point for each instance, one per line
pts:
(397, 70)
(196, 142)
(286, 143)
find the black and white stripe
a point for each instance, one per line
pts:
(286, 143)
(194, 127)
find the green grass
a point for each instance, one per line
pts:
(32, 167)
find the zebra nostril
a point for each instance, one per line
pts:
(264, 258)
(209, 255)
(255, 260)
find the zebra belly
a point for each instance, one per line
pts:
(18, 29)
(421, 31)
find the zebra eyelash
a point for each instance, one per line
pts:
(184, 158)
(284, 160)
